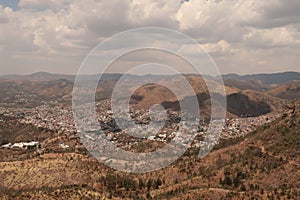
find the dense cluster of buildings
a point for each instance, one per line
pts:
(238, 127)
(59, 118)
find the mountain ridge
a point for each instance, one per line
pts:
(269, 78)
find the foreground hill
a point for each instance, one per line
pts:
(11, 131)
(263, 165)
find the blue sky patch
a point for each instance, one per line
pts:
(10, 3)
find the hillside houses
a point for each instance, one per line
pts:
(22, 145)
(59, 118)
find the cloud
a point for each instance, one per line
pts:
(62, 32)
(4, 14)
(154, 13)
(275, 13)
(212, 21)
(221, 47)
(271, 38)
(39, 5)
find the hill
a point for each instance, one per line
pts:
(38, 76)
(239, 102)
(276, 78)
(251, 80)
(247, 85)
(25, 93)
(263, 165)
(11, 131)
(287, 91)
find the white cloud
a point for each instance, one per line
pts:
(66, 30)
(222, 47)
(153, 13)
(270, 38)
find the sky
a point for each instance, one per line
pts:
(10, 3)
(241, 36)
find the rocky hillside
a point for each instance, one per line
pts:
(263, 165)
(288, 91)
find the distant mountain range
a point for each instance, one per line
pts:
(39, 76)
(45, 76)
(273, 78)
(246, 94)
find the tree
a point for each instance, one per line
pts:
(149, 184)
(141, 183)
(227, 181)
(243, 188)
(158, 183)
(149, 195)
(236, 181)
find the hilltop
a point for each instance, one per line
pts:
(32, 93)
(287, 91)
(270, 79)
